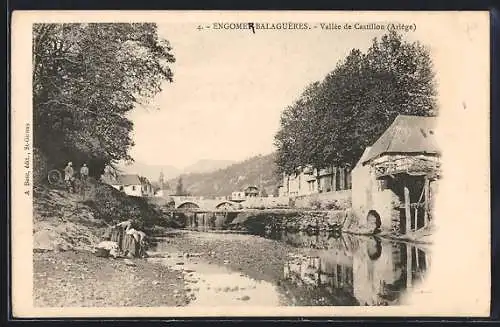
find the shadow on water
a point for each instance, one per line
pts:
(343, 269)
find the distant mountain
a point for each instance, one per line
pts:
(152, 172)
(207, 166)
(259, 170)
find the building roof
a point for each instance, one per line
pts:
(129, 179)
(364, 156)
(251, 189)
(407, 134)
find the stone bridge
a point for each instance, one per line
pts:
(201, 204)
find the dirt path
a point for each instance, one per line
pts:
(81, 279)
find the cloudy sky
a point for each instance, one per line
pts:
(230, 88)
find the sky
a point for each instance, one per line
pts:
(229, 90)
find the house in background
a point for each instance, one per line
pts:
(251, 191)
(307, 180)
(238, 196)
(130, 184)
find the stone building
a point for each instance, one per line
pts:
(308, 180)
(395, 181)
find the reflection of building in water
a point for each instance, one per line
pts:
(382, 273)
(329, 269)
(366, 271)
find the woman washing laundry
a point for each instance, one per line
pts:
(130, 240)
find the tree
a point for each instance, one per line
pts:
(294, 139)
(86, 77)
(336, 119)
(179, 189)
(263, 193)
(161, 180)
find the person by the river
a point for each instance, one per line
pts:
(131, 241)
(68, 176)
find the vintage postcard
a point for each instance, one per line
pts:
(192, 163)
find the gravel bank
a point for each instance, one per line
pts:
(257, 257)
(80, 279)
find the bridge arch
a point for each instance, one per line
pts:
(188, 205)
(224, 205)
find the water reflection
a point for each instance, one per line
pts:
(351, 270)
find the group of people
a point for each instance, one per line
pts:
(124, 239)
(69, 175)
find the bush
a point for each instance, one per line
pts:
(112, 206)
(315, 204)
(333, 205)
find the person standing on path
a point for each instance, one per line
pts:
(84, 172)
(68, 176)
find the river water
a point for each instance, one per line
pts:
(320, 269)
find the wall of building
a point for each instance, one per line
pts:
(306, 184)
(368, 195)
(265, 202)
(132, 190)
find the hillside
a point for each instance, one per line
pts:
(64, 221)
(206, 166)
(152, 172)
(258, 170)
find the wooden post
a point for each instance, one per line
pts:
(416, 218)
(426, 201)
(318, 278)
(407, 209)
(348, 178)
(334, 178)
(416, 258)
(408, 266)
(342, 178)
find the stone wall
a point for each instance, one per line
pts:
(338, 200)
(259, 222)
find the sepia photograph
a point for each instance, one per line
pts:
(238, 163)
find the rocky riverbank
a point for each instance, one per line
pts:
(80, 279)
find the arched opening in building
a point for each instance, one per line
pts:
(373, 220)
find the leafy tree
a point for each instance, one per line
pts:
(86, 77)
(336, 119)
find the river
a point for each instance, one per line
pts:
(292, 269)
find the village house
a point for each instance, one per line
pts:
(131, 184)
(238, 196)
(307, 181)
(251, 191)
(395, 181)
